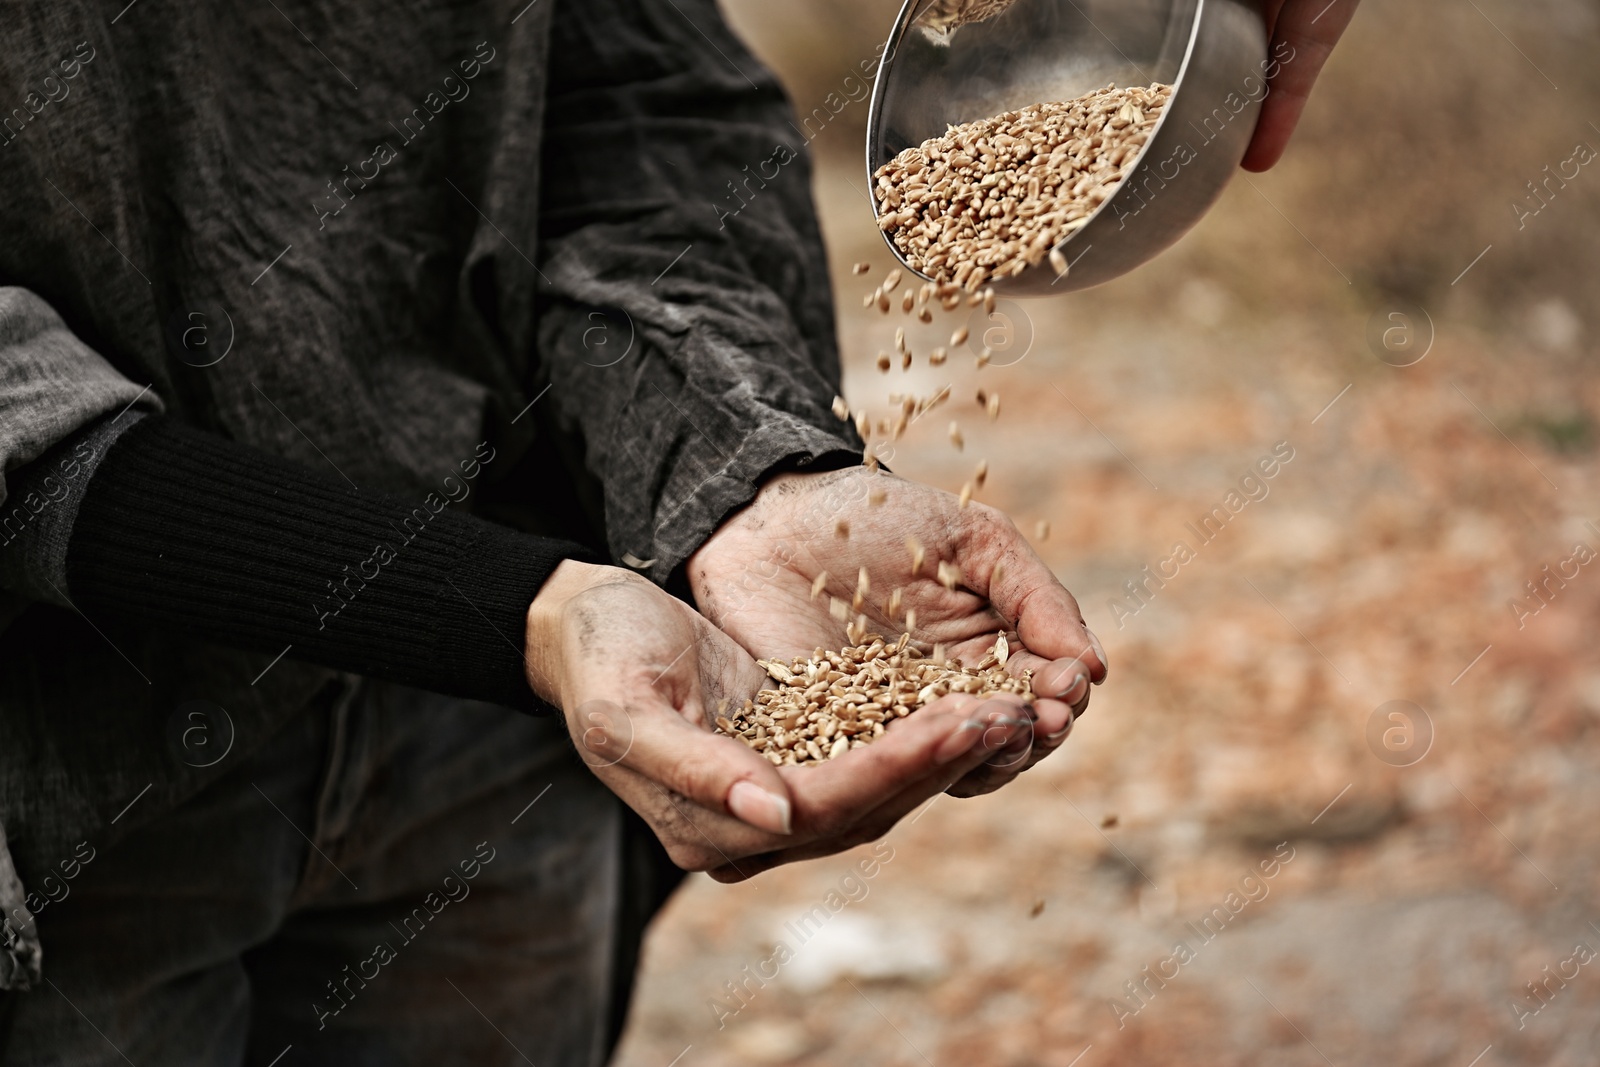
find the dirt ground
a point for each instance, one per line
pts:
(1336, 803)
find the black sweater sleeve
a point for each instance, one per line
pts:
(191, 532)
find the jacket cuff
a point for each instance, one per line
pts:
(787, 446)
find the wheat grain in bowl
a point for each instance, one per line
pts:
(990, 198)
(835, 701)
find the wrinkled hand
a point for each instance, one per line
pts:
(1303, 33)
(753, 579)
(639, 677)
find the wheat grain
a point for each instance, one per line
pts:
(988, 199)
(825, 705)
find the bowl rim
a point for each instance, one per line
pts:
(897, 32)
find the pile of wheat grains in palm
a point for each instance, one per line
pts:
(835, 701)
(990, 198)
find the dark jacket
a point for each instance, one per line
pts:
(371, 241)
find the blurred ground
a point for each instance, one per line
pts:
(1409, 906)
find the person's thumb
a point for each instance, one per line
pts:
(714, 771)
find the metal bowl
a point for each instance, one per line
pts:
(1213, 53)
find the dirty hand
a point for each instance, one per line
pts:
(753, 579)
(639, 676)
(1302, 34)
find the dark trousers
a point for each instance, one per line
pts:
(369, 887)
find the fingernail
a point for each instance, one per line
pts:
(1072, 691)
(1094, 643)
(959, 743)
(999, 736)
(1079, 690)
(999, 721)
(766, 811)
(1013, 752)
(1064, 731)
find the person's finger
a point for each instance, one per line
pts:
(999, 770)
(1044, 744)
(998, 563)
(712, 770)
(1066, 680)
(1052, 724)
(1303, 33)
(674, 757)
(1061, 717)
(1270, 9)
(992, 724)
(831, 797)
(695, 838)
(1053, 719)
(826, 803)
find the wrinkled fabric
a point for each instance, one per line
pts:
(51, 383)
(736, 300)
(357, 207)
(20, 954)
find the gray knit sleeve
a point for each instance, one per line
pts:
(53, 388)
(51, 383)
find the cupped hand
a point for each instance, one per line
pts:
(1302, 34)
(640, 676)
(754, 579)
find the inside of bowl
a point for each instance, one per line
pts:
(1031, 52)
